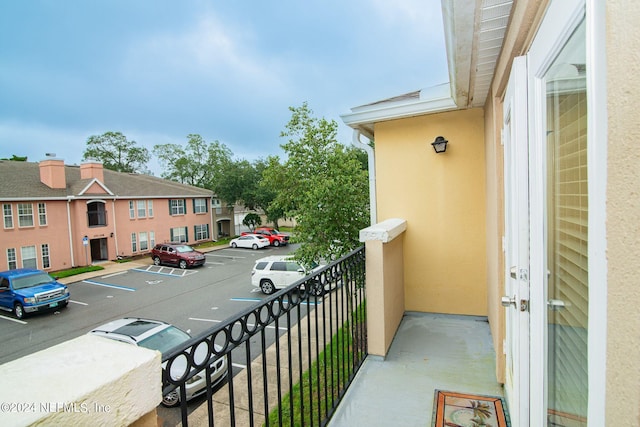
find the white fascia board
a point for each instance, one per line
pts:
(95, 181)
(432, 100)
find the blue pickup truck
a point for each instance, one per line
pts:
(26, 290)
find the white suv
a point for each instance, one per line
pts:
(279, 271)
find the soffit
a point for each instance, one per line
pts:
(474, 38)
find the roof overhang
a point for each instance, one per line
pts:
(430, 100)
(474, 34)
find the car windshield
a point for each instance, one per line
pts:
(32, 280)
(184, 248)
(165, 340)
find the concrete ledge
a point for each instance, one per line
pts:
(384, 231)
(85, 381)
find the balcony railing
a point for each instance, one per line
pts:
(301, 352)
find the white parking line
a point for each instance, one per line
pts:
(14, 320)
(78, 302)
(237, 365)
(154, 269)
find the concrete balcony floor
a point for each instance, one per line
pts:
(429, 352)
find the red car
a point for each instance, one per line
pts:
(275, 237)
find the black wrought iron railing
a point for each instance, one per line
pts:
(290, 358)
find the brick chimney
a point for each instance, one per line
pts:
(52, 173)
(92, 169)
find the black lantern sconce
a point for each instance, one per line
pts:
(440, 144)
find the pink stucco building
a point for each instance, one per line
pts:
(57, 216)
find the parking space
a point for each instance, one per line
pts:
(193, 299)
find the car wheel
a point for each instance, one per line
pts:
(156, 260)
(276, 243)
(182, 264)
(255, 246)
(18, 310)
(267, 287)
(171, 399)
(233, 245)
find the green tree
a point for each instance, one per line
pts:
(238, 183)
(15, 158)
(241, 182)
(322, 184)
(252, 220)
(199, 163)
(117, 153)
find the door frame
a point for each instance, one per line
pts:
(561, 18)
(516, 247)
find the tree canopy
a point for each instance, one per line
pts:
(200, 163)
(322, 184)
(117, 153)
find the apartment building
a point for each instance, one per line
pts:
(57, 216)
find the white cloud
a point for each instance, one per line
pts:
(209, 49)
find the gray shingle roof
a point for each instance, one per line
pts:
(21, 181)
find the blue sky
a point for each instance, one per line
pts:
(158, 70)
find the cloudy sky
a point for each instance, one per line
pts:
(158, 70)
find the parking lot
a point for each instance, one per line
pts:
(192, 299)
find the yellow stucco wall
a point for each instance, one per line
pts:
(444, 205)
(623, 214)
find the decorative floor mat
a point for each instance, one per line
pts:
(452, 409)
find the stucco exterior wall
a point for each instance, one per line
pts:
(494, 155)
(37, 235)
(444, 206)
(385, 282)
(623, 213)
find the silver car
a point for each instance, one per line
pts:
(161, 336)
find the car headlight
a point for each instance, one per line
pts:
(30, 300)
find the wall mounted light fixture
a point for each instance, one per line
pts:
(440, 144)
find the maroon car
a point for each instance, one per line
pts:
(177, 254)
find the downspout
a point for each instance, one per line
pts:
(372, 173)
(73, 262)
(115, 226)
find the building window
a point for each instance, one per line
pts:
(176, 207)
(46, 261)
(201, 231)
(25, 214)
(132, 210)
(179, 234)
(142, 209)
(42, 214)
(29, 259)
(216, 203)
(152, 238)
(12, 262)
(199, 206)
(150, 208)
(144, 242)
(96, 214)
(134, 243)
(8, 215)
